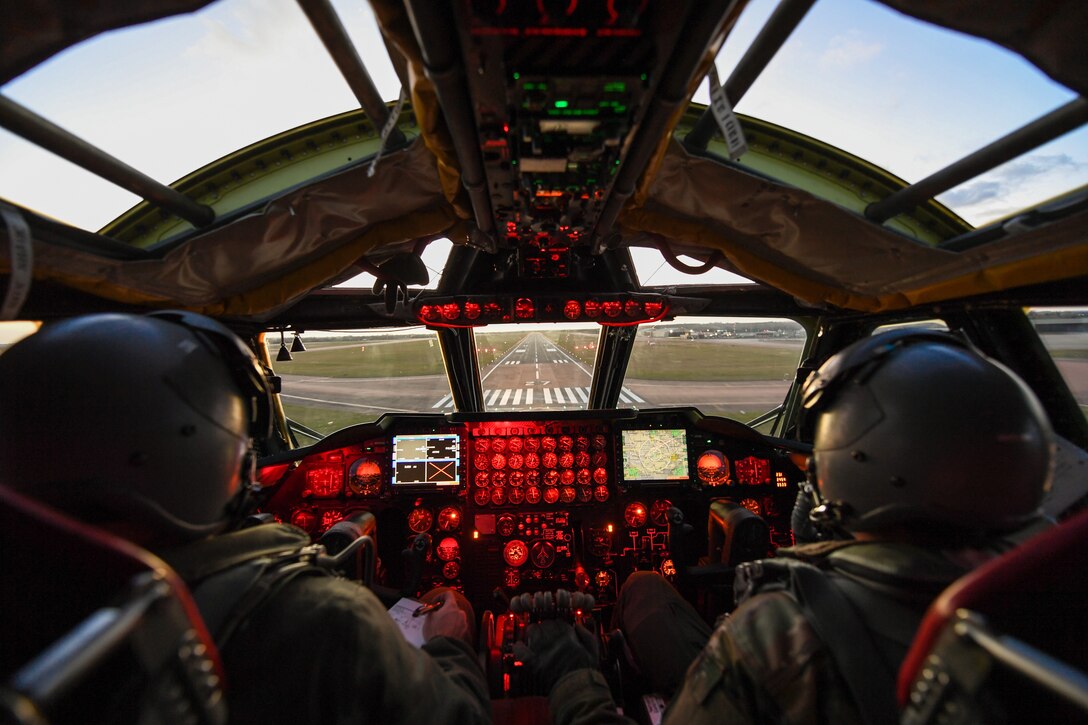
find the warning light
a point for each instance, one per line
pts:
(475, 535)
(609, 528)
(561, 104)
(524, 309)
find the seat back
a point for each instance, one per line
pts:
(95, 628)
(1006, 642)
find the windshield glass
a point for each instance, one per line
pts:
(542, 367)
(738, 368)
(349, 377)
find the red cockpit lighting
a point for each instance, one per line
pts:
(572, 310)
(472, 311)
(524, 309)
(612, 308)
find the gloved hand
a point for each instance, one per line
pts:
(553, 648)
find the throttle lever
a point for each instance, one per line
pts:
(414, 556)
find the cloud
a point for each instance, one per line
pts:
(1019, 184)
(849, 49)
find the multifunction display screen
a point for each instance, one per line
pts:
(427, 460)
(655, 455)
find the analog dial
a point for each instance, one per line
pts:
(365, 477)
(420, 520)
(515, 553)
(449, 519)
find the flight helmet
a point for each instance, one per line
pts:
(147, 419)
(918, 428)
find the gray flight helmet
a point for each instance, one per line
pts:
(148, 419)
(918, 428)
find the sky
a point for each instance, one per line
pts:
(171, 96)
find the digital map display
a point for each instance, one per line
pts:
(655, 455)
(433, 459)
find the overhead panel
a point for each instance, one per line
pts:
(558, 89)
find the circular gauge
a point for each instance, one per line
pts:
(600, 493)
(752, 505)
(516, 479)
(420, 520)
(532, 445)
(325, 482)
(713, 468)
(482, 479)
(600, 475)
(583, 477)
(599, 442)
(481, 445)
(515, 444)
(600, 542)
(515, 496)
(498, 496)
(304, 519)
(451, 570)
(498, 461)
(635, 515)
(551, 478)
(532, 478)
(566, 460)
(365, 477)
(515, 461)
(498, 479)
(515, 553)
(542, 554)
(547, 443)
(532, 495)
(532, 461)
(448, 549)
(668, 569)
(498, 445)
(511, 579)
(567, 494)
(566, 443)
(600, 459)
(585, 494)
(551, 494)
(581, 443)
(449, 519)
(566, 477)
(581, 459)
(550, 460)
(481, 496)
(481, 461)
(505, 526)
(330, 517)
(659, 511)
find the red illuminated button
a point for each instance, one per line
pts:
(524, 309)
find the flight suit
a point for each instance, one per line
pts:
(324, 650)
(764, 662)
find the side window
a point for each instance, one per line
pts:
(1064, 332)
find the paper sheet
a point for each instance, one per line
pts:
(411, 627)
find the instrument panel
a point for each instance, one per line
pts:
(498, 505)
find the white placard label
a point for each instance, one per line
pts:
(22, 262)
(727, 120)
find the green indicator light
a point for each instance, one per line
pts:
(620, 109)
(617, 87)
(643, 76)
(561, 104)
(518, 75)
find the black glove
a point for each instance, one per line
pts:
(552, 649)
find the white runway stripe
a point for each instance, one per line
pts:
(633, 396)
(442, 402)
(583, 393)
(547, 396)
(494, 394)
(570, 395)
(624, 398)
(558, 393)
(505, 396)
(528, 396)
(517, 397)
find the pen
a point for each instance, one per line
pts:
(423, 609)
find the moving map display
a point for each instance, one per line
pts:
(427, 460)
(655, 455)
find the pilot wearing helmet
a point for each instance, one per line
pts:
(925, 454)
(145, 426)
